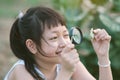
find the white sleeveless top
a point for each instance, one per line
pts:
(21, 62)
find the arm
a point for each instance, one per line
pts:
(64, 74)
(105, 72)
(81, 73)
(69, 59)
(101, 44)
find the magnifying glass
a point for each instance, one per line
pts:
(75, 35)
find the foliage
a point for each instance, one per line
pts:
(97, 14)
(7, 12)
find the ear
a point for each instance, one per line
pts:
(31, 46)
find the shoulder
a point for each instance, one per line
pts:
(20, 73)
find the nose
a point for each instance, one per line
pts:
(62, 43)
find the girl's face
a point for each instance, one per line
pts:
(55, 39)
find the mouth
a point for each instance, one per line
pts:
(58, 52)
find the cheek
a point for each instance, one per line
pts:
(68, 40)
(50, 48)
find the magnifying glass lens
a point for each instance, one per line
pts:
(76, 35)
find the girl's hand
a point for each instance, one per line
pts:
(101, 42)
(69, 58)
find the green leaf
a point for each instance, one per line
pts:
(67, 4)
(99, 2)
(109, 22)
(116, 5)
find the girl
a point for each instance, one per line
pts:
(41, 41)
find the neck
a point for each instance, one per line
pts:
(46, 67)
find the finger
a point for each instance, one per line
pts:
(102, 37)
(108, 37)
(95, 31)
(100, 34)
(74, 55)
(77, 60)
(68, 48)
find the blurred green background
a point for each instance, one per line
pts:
(85, 14)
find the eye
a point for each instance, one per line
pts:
(66, 35)
(53, 38)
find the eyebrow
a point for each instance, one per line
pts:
(57, 31)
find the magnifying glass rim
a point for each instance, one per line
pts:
(71, 34)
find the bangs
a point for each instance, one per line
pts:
(54, 22)
(49, 17)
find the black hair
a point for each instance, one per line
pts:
(31, 26)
